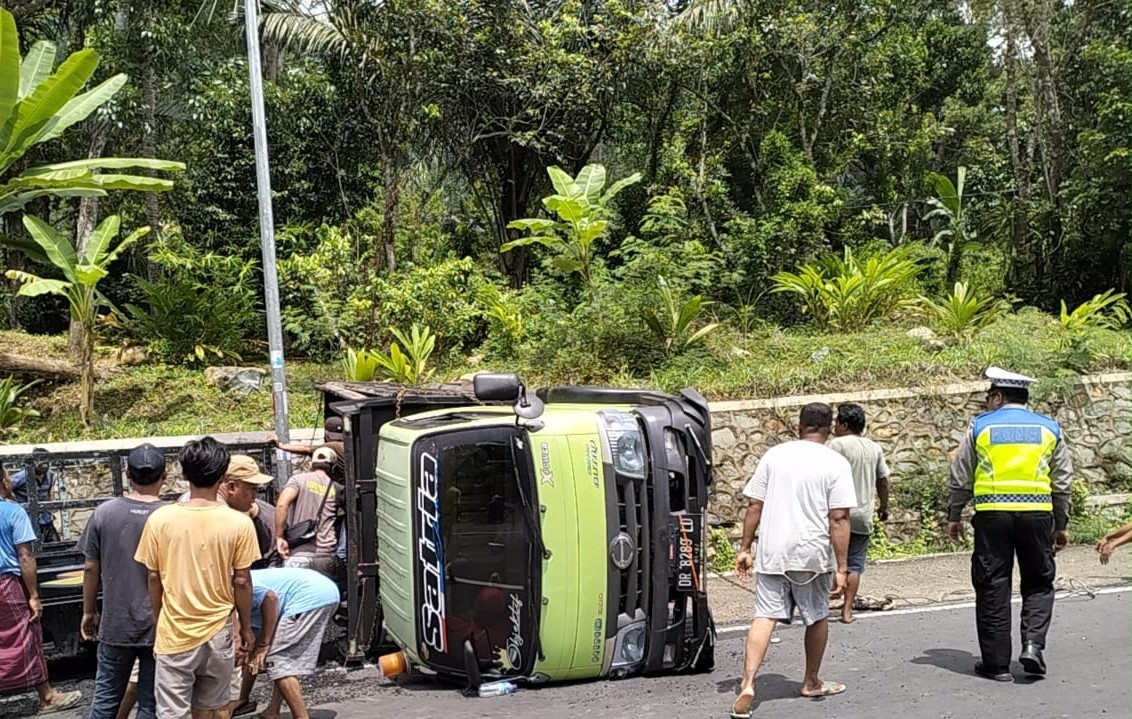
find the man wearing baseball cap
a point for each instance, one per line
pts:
(125, 628)
(306, 514)
(240, 490)
(1016, 465)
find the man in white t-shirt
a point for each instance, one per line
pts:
(800, 494)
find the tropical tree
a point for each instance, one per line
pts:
(81, 275)
(38, 105)
(387, 55)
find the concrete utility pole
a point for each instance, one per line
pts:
(267, 242)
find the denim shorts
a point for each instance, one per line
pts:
(858, 552)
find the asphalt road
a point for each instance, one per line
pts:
(914, 665)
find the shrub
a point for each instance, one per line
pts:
(405, 363)
(12, 413)
(502, 313)
(962, 315)
(845, 294)
(441, 297)
(672, 326)
(203, 305)
(359, 365)
(1080, 330)
(723, 553)
(583, 343)
(318, 272)
(665, 249)
(333, 295)
(408, 365)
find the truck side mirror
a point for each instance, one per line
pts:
(506, 387)
(497, 387)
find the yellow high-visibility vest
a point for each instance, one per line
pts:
(1014, 447)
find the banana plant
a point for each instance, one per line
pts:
(12, 411)
(583, 217)
(81, 275)
(948, 204)
(37, 105)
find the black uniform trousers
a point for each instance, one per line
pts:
(999, 536)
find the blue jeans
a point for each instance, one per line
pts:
(114, 665)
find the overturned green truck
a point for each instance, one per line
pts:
(559, 535)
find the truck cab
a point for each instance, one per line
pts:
(544, 537)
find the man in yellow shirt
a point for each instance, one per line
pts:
(199, 554)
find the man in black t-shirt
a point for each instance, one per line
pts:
(125, 627)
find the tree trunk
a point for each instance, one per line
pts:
(1020, 212)
(513, 206)
(42, 367)
(86, 378)
(149, 151)
(84, 228)
(274, 57)
(391, 201)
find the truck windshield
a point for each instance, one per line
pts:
(479, 567)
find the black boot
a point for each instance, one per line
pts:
(1031, 659)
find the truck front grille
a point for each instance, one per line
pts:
(632, 514)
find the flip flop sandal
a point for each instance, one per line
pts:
(736, 714)
(247, 707)
(70, 699)
(828, 689)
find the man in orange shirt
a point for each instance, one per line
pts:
(199, 554)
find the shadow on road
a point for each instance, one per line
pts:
(961, 662)
(953, 660)
(768, 687)
(323, 714)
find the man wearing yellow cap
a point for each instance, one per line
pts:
(1015, 464)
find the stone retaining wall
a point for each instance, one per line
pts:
(918, 429)
(921, 429)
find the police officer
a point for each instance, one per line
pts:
(1016, 465)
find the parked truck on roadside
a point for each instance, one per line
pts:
(495, 533)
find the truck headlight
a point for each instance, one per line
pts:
(629, 646)
(626, 445)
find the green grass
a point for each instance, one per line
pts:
(168, 400)
(779, 363)
(154, 400)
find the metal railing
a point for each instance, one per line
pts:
(65, 465)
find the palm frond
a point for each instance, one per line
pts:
(310, 34)
(712, 15)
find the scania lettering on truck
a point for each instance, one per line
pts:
(540, 537)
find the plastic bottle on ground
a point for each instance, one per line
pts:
(497, 689)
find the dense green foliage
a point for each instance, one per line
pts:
(804, 177)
